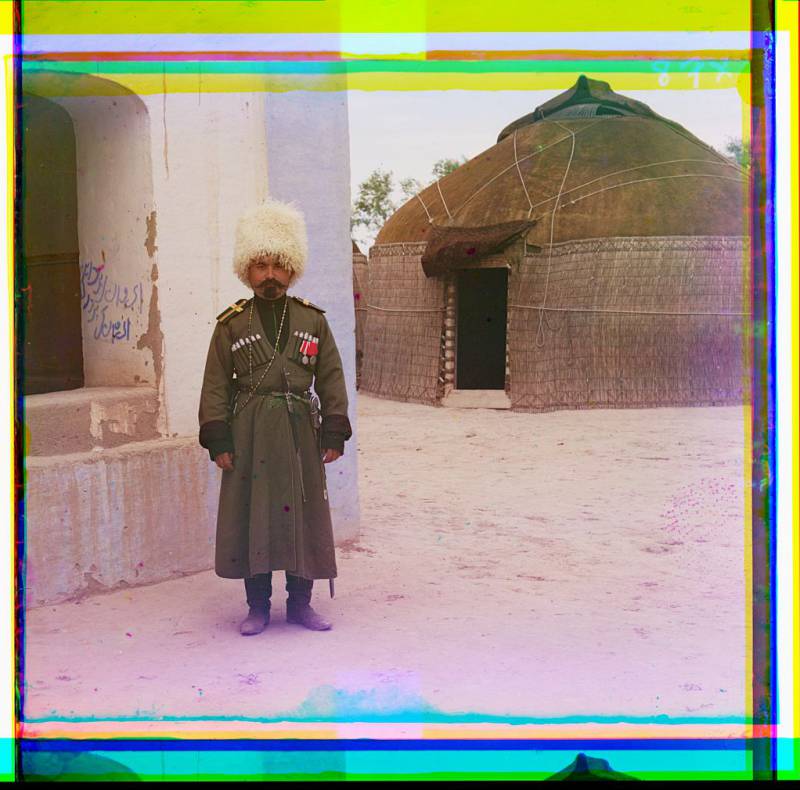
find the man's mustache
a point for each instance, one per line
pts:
(273, 283)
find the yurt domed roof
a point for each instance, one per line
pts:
(586, 99)
(608, 164)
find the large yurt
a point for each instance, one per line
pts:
(596, 256)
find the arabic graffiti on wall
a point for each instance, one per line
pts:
(107, 304)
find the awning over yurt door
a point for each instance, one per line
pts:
(450, 248)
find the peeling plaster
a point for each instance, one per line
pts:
(153, 338)
(92, 586)
(111, 424)
(150, 239)
(119, 418)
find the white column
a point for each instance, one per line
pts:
(309, 164)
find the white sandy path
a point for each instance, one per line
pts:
(571, 563)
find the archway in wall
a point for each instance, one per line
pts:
(53, 350)
(113, 218)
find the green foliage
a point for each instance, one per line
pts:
(410, 186)
(444, 167)
(738, 151)
(373, 204)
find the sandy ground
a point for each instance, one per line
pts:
(582, 563)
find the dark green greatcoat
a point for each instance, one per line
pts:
(273, 507)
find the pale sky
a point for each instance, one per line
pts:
(407, 131)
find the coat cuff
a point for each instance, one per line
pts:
(336, 431)
(216, 437)
(333, 441)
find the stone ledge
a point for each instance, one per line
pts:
(74, 421)
(103, 455)
(132, 515)
(136, 514)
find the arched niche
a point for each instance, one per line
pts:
(51, 320)
(112, 218)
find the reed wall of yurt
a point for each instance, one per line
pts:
(405, 326)
(360, 300)
(635, 322)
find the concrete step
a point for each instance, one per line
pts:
(74, 421)
(135, 514)
(477, 399)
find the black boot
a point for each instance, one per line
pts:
(259, 591)
(298, 609)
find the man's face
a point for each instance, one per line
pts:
(268, 278)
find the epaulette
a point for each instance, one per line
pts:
(307, 303)
(236, 307)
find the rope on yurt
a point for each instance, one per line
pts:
(631, 169)
(539, 333)
(430, 218)
(652, 178)
(406, 309)
(625, 312)
(524, 159)
(521, 179)
(710, 148)
(438, 186)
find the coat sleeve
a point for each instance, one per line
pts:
(215, 397)
(330, 386)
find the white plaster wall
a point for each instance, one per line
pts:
(209, 164)
(191, 164)
(309, 164)
(115, 196)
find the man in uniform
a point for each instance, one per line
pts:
(264, 427)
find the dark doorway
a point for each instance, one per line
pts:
(481, 340)
(51, 316)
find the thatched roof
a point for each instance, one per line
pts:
(612, 165)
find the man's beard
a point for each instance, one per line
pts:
(272, 289)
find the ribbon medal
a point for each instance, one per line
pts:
(309, 348)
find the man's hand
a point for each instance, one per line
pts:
(330, 455)
(225, 461)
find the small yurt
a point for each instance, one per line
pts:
(360, 284)
(596, 256)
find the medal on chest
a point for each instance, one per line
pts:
(307, 347)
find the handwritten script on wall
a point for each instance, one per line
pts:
(108, 304)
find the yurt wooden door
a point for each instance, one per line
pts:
(481, 333)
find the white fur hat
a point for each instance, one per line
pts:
(272, 228)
